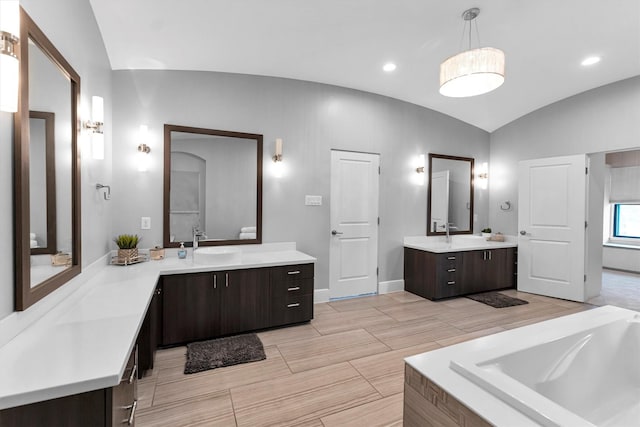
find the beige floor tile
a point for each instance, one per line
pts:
(178, 386)
(413, 332)
(170, 357)
(326, 350)
(349, 320)
(404, 297)
(283, 335)
(415, 310)
(323, 307)
(542, 317)
(385, 371)
(211, 410)
(363, 303)
(146, 390)
(381, 413)
(469, 336)
(301, 397)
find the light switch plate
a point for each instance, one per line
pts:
(145, 223)
(313, 200)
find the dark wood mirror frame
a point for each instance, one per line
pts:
(25, 295)
(50, 176)
(167, 184)
(471, 193)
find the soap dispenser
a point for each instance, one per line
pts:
(182, 252)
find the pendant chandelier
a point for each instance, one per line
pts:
(474, 71)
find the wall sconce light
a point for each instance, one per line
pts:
(143, 149)
(9, 65)
(418, 179)
(278, 156)
(420, 166)
(95, 126)
(483, 175)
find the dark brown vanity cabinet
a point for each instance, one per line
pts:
(291, 294)
(107, 407)
(443, 275)
(201, 306)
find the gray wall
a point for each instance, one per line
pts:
(312, 119)
(72, 28)
(603, 119)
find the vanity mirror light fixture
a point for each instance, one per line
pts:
(482, 174)
(419, 177)
(278, 168)
(143, 149)
(95, 126)
(9, 64)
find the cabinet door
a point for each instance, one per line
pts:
(244, 300)
(189, 309)
(148, 335)
(499, 268)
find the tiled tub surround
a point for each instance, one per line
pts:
(580, 369)
(84, 342)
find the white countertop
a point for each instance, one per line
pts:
(458, 242)
(84, 342)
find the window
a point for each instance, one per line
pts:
(626, 220)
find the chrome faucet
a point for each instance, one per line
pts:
(197, 234)
(448, 226)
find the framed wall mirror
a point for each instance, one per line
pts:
(450, 195)
(47, 169)
(213, 184)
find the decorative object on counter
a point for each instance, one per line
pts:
(498, 237)
(497, 300)
(127, 247)
(182, 252)
(61, 260)
(156, 253)
(228, 351)
(486, 232)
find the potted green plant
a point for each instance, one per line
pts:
(486, 232)
(127, 247)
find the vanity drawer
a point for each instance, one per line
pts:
(291, 272)
(293, 288)
(292, 310)
(124, 395)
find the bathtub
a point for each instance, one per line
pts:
(579, 371)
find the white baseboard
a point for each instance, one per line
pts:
(320, 295)
(390, 286)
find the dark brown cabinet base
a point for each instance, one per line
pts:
(444, 275)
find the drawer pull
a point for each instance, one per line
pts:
(132, 415)
(451, 270)
(451, 257)
(134, 370)
(226, 279)
(451, 282)
(295, 288)
(215, 281)
(293, 272)
(295, 304)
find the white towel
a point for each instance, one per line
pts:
(34, 243)
(32, 236)
(248, 230)
(247, 236)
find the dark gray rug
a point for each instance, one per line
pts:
(205, 355)
(496, 299)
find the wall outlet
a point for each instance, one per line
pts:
(313, 200)
(145, 223)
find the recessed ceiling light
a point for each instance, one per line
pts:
(389, 67)
(590, 61)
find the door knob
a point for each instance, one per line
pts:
(522, 232)
(334, 232)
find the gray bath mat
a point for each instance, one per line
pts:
(496, 299)
(205, 355)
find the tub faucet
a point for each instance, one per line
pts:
(197, 234)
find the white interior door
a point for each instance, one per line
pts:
(551, 220)
(354, 224)
(439, 200)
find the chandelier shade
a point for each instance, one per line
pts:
(472, 72)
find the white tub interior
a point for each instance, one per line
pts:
(587, 375)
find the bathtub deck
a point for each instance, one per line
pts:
(344, 368)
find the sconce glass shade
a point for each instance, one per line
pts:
(472, 72)
(97, 109)
(9, 67)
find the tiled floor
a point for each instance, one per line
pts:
(344, 368)
(619, 288)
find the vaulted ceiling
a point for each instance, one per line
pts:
(346, 43)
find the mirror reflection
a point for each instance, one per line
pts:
(450, 198)
(214, 180)
(49, 173)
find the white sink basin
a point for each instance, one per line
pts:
(217, 256)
